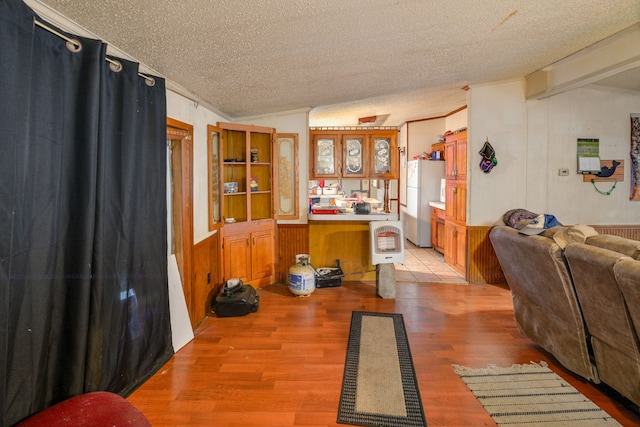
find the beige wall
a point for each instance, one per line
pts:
(535, 138)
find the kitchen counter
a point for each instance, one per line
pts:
(373, 216)
(436, 204)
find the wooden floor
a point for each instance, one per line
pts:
(283, 365)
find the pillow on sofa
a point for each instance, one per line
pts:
(575, 234)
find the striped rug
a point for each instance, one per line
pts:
(532, 394)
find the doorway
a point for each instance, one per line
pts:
(180, 170)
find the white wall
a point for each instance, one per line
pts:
(422, 134)
(187, 111)
(533, 139)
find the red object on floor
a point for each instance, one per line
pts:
(96, 409)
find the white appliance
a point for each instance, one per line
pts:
(423, 186)
(386, 242)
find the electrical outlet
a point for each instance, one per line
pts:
(563, 172)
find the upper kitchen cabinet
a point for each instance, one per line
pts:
(325, 155)
(348, 153)
(456, 156)
(384, 155)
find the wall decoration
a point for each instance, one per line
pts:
(635, 157)
(489, 159)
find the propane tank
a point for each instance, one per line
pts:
(302, 276)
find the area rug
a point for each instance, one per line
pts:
(379, 386)
(532, 394)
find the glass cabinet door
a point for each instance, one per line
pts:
(325, 156)
(286, 189)
(215, 181)
(384, 157)
(354, 156)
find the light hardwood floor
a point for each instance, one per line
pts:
(283, 365)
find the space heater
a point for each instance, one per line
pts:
(387, 242)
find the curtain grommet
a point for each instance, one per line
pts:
(74, 45)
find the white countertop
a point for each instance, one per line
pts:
(437, 204)
(353, 217)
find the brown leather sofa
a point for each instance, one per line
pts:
(579, 300)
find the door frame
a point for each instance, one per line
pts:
(177, 130)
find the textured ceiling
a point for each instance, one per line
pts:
(402, 59)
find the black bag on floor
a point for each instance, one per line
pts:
(236, 300)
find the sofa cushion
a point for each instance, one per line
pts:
(575, 234)
(628, 247)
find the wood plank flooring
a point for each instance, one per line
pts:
(283, 365)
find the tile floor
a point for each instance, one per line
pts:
(425, 265)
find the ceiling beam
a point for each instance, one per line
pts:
(613, 55)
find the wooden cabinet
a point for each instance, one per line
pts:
(437, 229)
(362, 154)
(249, 256)
(248, 205)
(456, 156)
(456, 197)
(247, 172)
(455, 247)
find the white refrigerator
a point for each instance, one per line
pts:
(423, 186)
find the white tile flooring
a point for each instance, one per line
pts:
(425, 265)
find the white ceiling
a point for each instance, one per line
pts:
(344, 59)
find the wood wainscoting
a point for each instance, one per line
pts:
(628, 231)
(292, 239)
(207, 276)
(482, 266)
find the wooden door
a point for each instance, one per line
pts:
(180, 148)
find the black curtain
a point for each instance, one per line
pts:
(83, 240)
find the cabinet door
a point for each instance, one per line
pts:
(450, 243)
(384, 155)
(325, 156)
(353, 156)
(214, 167)
(286, 175)
(440, 235)
(460, 262)
(434, 220)
(460, 202)
(450, 200)
(461, 158)
(450, 160)
(237, 257)
(262, 255)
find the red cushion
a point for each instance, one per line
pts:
(96, 409)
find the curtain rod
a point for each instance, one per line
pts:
(115, 65)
